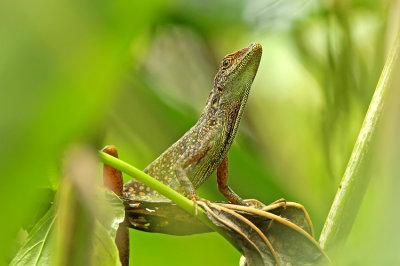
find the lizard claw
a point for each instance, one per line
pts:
(280, 201)
(194, 197)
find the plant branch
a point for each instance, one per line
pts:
(354, 183)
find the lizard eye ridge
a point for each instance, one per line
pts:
(226, 63)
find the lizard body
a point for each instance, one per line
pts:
(188, 163)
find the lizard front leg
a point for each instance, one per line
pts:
(191, 156)
(222, 180)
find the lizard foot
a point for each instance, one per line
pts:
(195, 198)
(259, 205)
(280, 201)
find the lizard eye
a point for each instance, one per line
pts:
(226, 63)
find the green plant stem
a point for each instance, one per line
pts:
(354, 183)
(168, 192)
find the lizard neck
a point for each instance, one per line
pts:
(222, 119)
(230, 120)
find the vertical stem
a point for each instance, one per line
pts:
(353, 185)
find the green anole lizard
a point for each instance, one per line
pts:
(190, 161)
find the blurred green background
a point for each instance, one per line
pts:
(136, 74)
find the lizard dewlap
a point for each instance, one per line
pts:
(190, 161)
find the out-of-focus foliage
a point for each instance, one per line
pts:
(60, 64)
(137, 73)
(81, 228)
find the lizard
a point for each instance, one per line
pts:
(191, 160)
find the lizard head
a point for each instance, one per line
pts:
(236, 74)
(227, 99)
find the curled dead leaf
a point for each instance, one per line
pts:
(277, 234)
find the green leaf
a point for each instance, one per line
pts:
(112, 212)
(110, 215)
(105, 251)
(37, 248)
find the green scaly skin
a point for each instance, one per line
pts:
(190, 161)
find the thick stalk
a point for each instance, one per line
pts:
(168, 192)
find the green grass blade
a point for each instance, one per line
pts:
(353, 185)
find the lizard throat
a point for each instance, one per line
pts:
(233, 116)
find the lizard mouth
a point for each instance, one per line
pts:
(250, 62)
(252, 55)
